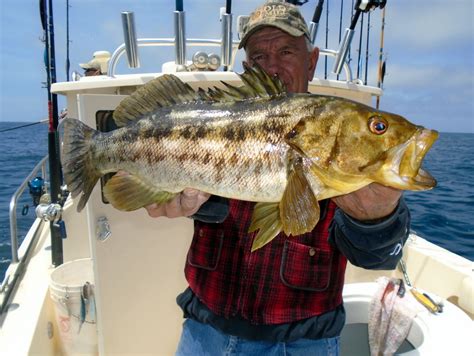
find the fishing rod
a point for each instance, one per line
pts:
(349, 58)
(56, 228)
(381, 69)
(367, 49)
(359, 55)
(340, 20)
(25, 125)
(360, 7)
(314, 24)
(327, 42)
(340, 27)
(68, 63)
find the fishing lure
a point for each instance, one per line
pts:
(426, 301)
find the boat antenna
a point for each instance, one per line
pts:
(226, 49)
(68, 63)
(381, 70)
(313, 26)
(367, 49)
(46, 12)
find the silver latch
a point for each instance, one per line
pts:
(103, 229)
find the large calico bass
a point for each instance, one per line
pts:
(255, 143)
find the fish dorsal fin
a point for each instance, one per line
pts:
(169, 90)
(163, 91)
(261, 83)
(257, 84)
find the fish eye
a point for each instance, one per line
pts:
(378, 125)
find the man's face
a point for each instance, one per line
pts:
(91, 72)
(279, 53)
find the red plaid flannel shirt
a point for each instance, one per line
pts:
(289, 279)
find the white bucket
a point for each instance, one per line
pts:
(75, 315)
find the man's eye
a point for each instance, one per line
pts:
(257, 57)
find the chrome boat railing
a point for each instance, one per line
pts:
(197, 42)
(17, 265)
(14, 201)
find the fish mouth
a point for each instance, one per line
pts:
(410, 157)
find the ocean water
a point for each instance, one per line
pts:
(444, 215)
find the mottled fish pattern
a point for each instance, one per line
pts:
(255, 142)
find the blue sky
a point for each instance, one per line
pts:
(429, 48)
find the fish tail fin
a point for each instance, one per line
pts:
(79, 171)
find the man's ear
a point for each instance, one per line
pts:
(313, 61)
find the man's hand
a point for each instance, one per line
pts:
(186, 203)
(372, 202)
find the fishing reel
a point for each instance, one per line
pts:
(297, 2)
(52, 213)
(37, 189)
(202, 61)
(368, 5)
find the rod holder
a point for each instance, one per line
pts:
(343, 50)
(226, 50)
(130, 39)
(313, 31)
(180, 38)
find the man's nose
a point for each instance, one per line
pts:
(272, 66)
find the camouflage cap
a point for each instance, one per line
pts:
(275, 13)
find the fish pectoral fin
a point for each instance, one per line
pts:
(295, 214)
(299, 207)
(266, 219)
(128, 192)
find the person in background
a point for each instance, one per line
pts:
(98, 65)
(286, 297)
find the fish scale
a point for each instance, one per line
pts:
(225, 156)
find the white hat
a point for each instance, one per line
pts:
(100, 60)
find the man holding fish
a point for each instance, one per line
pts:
(263, 302)
(286, 187)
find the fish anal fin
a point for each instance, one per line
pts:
(299, 207)
(128, 192)
(265, 219)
